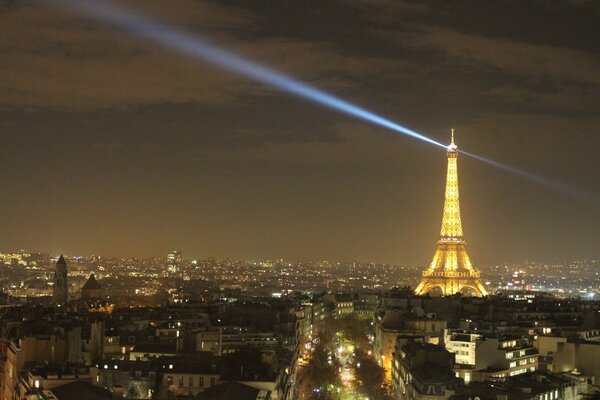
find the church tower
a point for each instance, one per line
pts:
(451, 269)
(60, 291)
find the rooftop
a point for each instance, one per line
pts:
(91, 284)
(233, 390)
(81, 390)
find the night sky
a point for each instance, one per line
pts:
(114, 145)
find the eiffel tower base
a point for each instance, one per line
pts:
(450, 285)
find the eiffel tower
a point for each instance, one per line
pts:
(451, 269)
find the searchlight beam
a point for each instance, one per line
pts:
(201, 49)
(193, 46)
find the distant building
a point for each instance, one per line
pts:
(37, 342)
(210, 341)
(423, 371)
(174, 259)
(93, 298)
(482, 357)
(343, 303)
(187, 376)
(403, 325)
(148, 351)
(463, 345)
(530, 386)
(519, 295)
(500, 358)
(578, 355)
(136, 379)
(234, 390)
(60, 291)
(77, 390)
(366, 304)
(48, 378)
(92, 290)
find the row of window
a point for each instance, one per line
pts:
(522, 371)
(515, 354)
(190, 380)
(549, 396)
(524, 361)
(461, 344)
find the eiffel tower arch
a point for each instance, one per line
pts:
(451, 269)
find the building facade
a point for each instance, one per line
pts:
(60, 290)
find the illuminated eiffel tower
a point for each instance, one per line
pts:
(451, 269)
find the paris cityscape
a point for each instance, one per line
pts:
(29, 275)
(320, 200)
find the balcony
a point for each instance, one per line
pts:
(452, 274)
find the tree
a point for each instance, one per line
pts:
(320, 378)
(370, 377)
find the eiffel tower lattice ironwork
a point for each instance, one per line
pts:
(451, 269)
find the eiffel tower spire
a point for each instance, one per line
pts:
(451, 222)
(451, 269)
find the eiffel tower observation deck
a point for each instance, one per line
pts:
(451, 270)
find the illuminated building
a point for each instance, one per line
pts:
(464, 346)
(484, 357)
(60, 290)
(498, 358)
(174, 262)
(451, 270)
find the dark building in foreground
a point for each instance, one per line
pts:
(423, 371)
(233, 390)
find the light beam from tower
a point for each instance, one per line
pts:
(193, 46)
(201, 49)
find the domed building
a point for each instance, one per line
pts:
(92, 290)
(93, 298)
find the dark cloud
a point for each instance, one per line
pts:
(530, 60)
(66, 63)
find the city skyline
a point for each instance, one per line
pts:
(115, 146)
(299, 200)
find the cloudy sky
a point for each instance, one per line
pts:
(115, 145)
